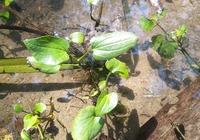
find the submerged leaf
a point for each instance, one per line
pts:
(117, 67)
(146, 24)
(49, 50)
(110, 45)
(168, 49)
(106, 104)
(86, 125)
(4, 16)
(49, 69)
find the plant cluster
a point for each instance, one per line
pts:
(167, 44)
(50, 54)
(34, 119)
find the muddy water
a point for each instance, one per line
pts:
(152, 83)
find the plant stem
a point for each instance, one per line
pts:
(162, 28)
(85, 54)
(69, 66)
(40, 132)
(185, 53)
(108, 78)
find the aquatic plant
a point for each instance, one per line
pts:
(167, 44)
(33, 119)
(51, 54)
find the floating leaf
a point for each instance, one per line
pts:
(146, 24)
(49, 50)
(167, 49)
(30, 121)
(93, 1)
(117, 67)
(106, 104)
(156, 41)
(77, 37)
(110, 45)
(86, 125)
(39, 108)
(24, 135)
(18, 108)
(49, 69)
(4, 16)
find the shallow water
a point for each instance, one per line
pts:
(155, 81)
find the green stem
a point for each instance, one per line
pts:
(40, 132)
(82, 57)
(26, 112)
(162, 28)
(185, 53)
(69, 66)
(13, 65)
(108, 78)
(20, 65)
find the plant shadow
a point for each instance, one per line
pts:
(122, 131)
(164, 73)
(29, 87)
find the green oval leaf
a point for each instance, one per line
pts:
(117, 67)
(86, 125)
(18, 108)
(24, 135)
(146, 24)
(49, 50)
(30, 121)
(39, 108)
(106, 104)
(110, 45)
(49, 69)
(156, 41)
(77, 37)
